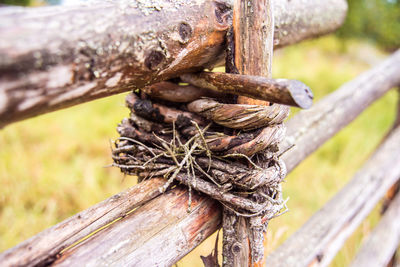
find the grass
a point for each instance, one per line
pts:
(53, 166)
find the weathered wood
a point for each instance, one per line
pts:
(397, 263)
(281, 91)
(397, 119)
(378, 249)
(154, 235)
(253, 35)
(360, 94)
(55, 57)
(321, 237)
(311, 128)
(45, 247)
(178, 93)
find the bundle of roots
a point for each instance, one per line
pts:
(227, 151)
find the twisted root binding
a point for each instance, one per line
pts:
(200, 145)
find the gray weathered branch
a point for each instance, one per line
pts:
(312, 127)
(352, 97)
(383, 241)
(45, 246)
(151, 235)
(55, 57)
(320, 238)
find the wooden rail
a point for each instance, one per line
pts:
(44, 247)
(318, 241)
(73, 62)
(335, 110)
(383, 242)
(54, 59)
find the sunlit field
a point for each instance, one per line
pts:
(54, 166)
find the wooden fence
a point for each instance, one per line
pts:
(96, 50)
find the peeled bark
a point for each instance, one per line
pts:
(59, 56)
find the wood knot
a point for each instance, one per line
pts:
(236, 248)
(185, 32)
(223, 14)
(154, 59)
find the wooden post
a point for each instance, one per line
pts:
(253, 28)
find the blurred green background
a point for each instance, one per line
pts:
(52, 166)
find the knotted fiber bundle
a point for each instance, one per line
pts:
(227, 151)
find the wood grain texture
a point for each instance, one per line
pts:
(378, 249)
(157, 234)
(352, 97)
(321, 237)
(253, 35)
(178, 93)
(55, 57)
(281, 91)
(45, 247)
(253, 25)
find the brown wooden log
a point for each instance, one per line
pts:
(159, 229)
(45, 247)
(253, 28)
(321, 237)
(178, 93)
(354, 97)
(381, 244)
(55, 57)
(253, 34)
(281, 91)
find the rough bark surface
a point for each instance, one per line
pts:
(154, 235)
(320, 238)
(360, 93)
(253, 34)
(381, 244)
(55, 57)
(281, 91)
(45, 247)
